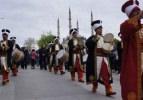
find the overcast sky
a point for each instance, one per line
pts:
(31, 18)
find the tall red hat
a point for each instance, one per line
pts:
(130, 6)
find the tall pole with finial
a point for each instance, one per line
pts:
(70, 20)
(91, 22)
(58, 28)
(77, 25)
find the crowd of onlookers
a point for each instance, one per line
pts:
(34, 58)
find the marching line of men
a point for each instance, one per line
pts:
(97, 65)
(7, 60)
(98, 69)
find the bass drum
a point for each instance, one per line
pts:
(85, 58)
(65, 57)
(108, 42)
(62, 55)
(108, 38)
(108, 47)
(17, 55)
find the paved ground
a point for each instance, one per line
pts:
(42, 85)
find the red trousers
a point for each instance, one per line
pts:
(14, 70)
(78, 69)
(58, 68)
(104, 73)
(5, 75)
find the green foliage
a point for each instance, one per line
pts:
(116, 41)
(45, 39)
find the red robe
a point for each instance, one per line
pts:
(128, 76)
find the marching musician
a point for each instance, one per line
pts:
(75, 63)
(14, 63)
(97, 68)
(57, 63)
(128, 29)
(5, 55)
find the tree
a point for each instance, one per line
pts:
(116, 41)
(45, 39)
(29, 43)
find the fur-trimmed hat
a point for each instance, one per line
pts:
(96, 24)
(5, 31)
(12, 38)
(73, 30)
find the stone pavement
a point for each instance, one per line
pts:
(42, 85)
